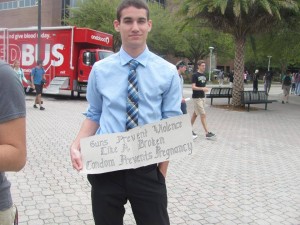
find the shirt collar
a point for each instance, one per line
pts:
(142, 58)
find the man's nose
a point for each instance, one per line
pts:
(135, 26)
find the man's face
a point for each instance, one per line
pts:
(182, 69)
(201, 68)
(134, 28)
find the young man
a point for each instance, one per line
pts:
(37, 77)
(255, 80)
(199, 90)
(181, 68)
(107, 93)
(12, 136)
(286, 87)
(268, 81)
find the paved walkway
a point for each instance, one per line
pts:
(249, 175)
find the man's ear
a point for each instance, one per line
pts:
(117, 25)
(150, 25)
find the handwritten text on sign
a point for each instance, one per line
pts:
(152, 143)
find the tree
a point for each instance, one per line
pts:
(195, 41)
(99, 15)
(240, 18)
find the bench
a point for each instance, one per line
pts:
(219, 93)
(255, 97)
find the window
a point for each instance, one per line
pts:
(103, 55)
(17, 4)
(21, 3)
(27, 3)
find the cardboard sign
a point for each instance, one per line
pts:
(141, 146)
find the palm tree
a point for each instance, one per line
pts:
(240, 18)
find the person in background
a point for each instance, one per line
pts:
(230, 76)
(181, 68)
(268, 80)
(12, 137)
(19, 72)
(255, 80)
(37, 78)
(117, 104)
(297, 84)
(293, 83)
(286, 87)
(199, 89)
(221, 78)
(246, 77)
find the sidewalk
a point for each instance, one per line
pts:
(248, 175)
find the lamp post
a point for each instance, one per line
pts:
(210, 55)
(269, 56)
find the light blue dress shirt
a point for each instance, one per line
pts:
(158, 84)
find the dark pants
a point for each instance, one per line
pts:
(255, 85)
(183, 108)
(38, 89)
(145, 188)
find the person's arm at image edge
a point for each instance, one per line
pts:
(13, 145)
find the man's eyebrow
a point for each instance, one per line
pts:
(130, 18)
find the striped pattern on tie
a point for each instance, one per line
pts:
(133, 97)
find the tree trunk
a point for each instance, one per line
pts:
(238, 81)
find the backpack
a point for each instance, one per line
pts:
(287, 81)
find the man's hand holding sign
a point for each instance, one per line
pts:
(141, 146)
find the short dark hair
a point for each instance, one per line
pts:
(39, 61)
(200, 62)
(180, 64)
(139, 4)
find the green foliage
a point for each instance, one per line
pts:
(240, 18)
(162, 38)
(95, 14)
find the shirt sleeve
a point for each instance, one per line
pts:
(172, 98)
(13, 105)
(94, 98)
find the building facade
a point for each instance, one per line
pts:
(24, 13)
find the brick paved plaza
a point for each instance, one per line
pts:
(249, 175)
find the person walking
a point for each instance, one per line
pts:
(293, 83)
(155, 86)
(19, 71)
(255, 80)
(286, 87)
(230, 76)
(199, 89)
(297, 82)
(181, 68)
(221, 78)
(267, 81)
(37, 81)
(12, 137)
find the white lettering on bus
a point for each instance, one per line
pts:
(98, 38)
(28, 52)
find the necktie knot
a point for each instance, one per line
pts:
(133, 64)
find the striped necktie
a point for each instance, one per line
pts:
(133, 97)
